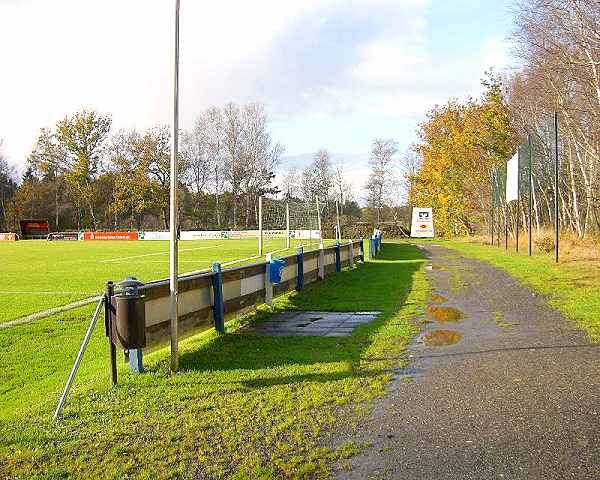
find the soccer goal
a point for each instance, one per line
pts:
(284, 224)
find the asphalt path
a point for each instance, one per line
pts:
(509, 389)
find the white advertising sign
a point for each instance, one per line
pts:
(512, 178)
(422, 223)
(201, 235)
(154, 236)
(305, 234)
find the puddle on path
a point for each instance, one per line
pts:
(437, 298)
(445, 314)
(441, 338)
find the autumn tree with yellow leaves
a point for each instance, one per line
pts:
(460, 145)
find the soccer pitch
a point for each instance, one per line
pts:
(38, 275)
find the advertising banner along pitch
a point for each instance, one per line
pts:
(110, 235)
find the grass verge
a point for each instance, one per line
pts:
(571, 286)
(242, 406)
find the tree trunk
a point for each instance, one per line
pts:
(165, 217)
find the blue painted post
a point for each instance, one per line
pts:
(218, 309)
(338, 258)
(136, 360)
(362, 250)
(300, 263)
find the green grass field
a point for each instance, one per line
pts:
(38, 275)
(242, 406)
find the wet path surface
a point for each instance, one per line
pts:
(499, 386)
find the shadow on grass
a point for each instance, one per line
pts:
(382, 284)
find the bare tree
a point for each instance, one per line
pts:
(290, 183)
(382, 174)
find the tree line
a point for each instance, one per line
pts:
(80, 176)
(462, 143)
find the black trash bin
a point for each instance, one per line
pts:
(129, 320)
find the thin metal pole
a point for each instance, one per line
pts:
(517, 208)
(319, 224)
(173, 260)
(492, 220)
(506, 227)
(529, 216)
(556, 196)
(498, 222)
(339, 228)
(86, 339)
(287, 225)
(518, 204)
(260, 225)
(108, 318)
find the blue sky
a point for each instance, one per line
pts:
(331, 73)
(461, 40)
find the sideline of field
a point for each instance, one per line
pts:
(255, 407)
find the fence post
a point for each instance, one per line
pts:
(371, 248)
(362, 250)
(268, 284)
(338, 258)
(351, 253)
(218, 308)
(300, 263)
(321, 263)
(112, 349)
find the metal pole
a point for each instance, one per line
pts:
(319, 224)
(530, 194)
(86, 339)
(112, 349)
(339, 228)
(518, 202)
(173, 267)
(260, 225)
(492, 220)
(556, 197)
(287, 225)
(506, 227)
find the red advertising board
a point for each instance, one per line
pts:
(8, 237)
(110, 235)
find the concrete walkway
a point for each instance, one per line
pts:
(514, 393)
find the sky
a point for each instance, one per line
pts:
(332, 74)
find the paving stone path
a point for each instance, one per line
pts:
(499, 386)
(322, 324)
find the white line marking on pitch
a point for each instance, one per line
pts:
(110, 260)
(47, 313)
(10, 292)
(178, 261)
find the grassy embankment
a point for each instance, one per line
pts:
(241, 406)
(572, 286)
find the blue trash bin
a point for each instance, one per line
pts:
(276, 270)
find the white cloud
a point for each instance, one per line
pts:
(305, 60)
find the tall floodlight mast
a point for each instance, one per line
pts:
(173, 267)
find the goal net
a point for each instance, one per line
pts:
(287, 224)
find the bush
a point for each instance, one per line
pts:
(545, 244)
